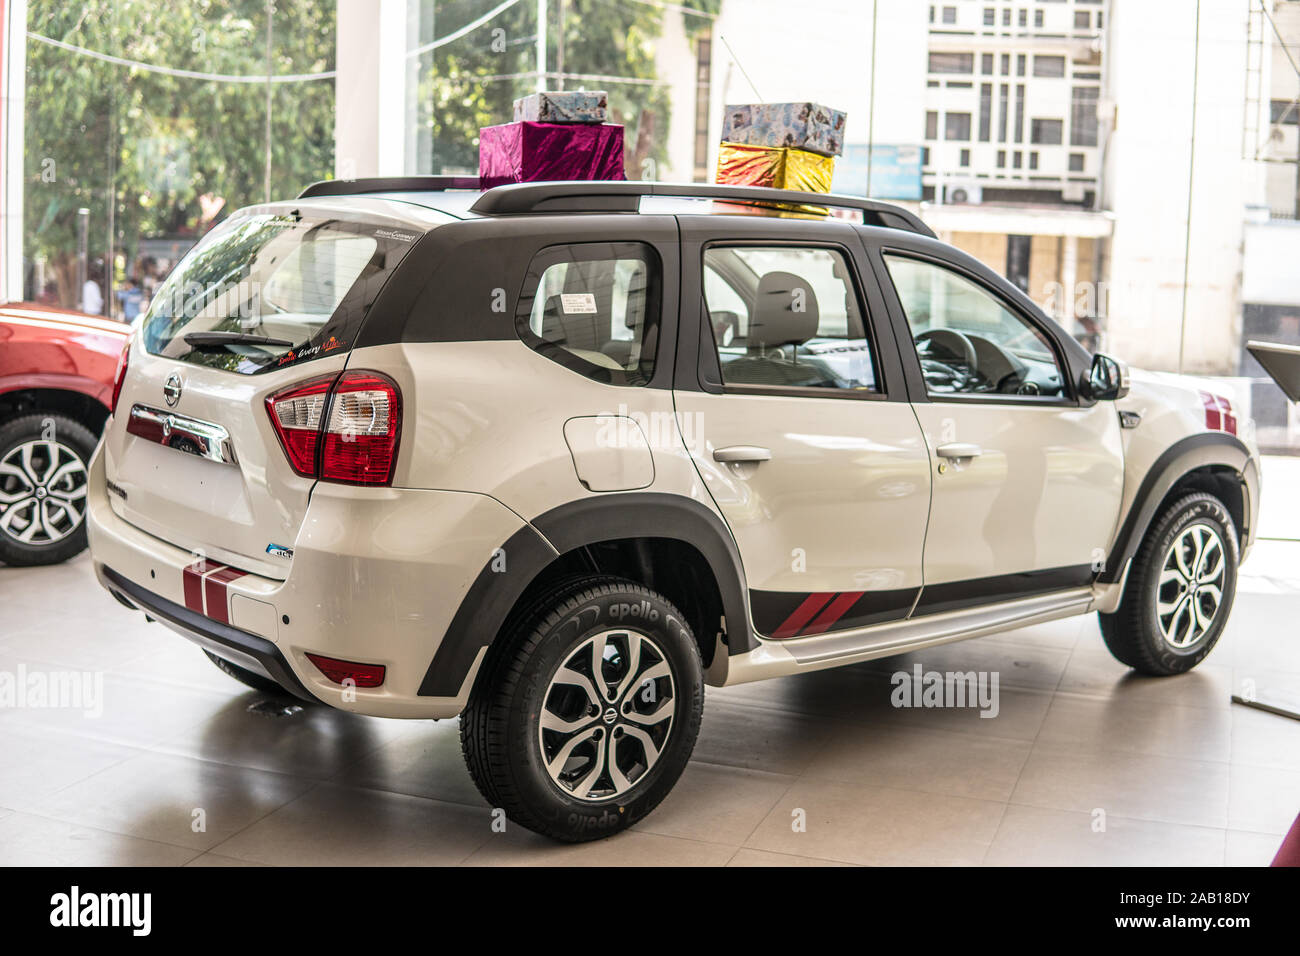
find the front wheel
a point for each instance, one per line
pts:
(1179, 591)
(586, 714)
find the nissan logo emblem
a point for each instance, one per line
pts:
(172, 389)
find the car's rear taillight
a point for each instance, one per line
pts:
(296, 414)
(120, 376)
(362, 432)
(342, 428)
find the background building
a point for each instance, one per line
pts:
(1131, 164)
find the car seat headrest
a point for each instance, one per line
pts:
(785, 311)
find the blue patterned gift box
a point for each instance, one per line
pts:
(809, 126)
(569, 106)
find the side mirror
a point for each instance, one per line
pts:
(1108, 380)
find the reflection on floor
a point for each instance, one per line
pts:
(1083, 764)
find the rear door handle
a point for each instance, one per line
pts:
(735, 453)
(958, 449)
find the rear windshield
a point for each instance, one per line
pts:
(279, 289)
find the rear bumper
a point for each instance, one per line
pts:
(376, 576)
(249, 651)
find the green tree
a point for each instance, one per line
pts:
(152, 144)
(473, 81)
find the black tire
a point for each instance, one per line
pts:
(1134, 634)
(70, 439)
(263, 685)
(500, 729)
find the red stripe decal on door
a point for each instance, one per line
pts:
(833, 612)
(214, 589)
(803, 613)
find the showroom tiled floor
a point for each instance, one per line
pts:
(179, 770)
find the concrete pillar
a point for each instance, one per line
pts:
(1069, 279)
(370, 89)
(13, 65)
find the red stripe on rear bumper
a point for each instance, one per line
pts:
(193, 578)
(214, 586)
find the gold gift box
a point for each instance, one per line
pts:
(775, 167)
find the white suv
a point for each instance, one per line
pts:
(553, 456)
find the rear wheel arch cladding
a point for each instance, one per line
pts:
(533, 549)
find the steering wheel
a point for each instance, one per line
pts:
(959, 347)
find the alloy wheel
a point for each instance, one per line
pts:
(606, 715)
(1190, 588)
(42, 492)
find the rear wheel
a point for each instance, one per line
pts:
(248, 678)
(1179, 591)
(44, 468)
(586, 714)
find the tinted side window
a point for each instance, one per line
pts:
(594, 308)
(967, 340)
(787, 317)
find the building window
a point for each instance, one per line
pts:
(1006, 64)
(956, 126)
(990, 17)
(1046, 132)
(1082, 20)
(965, 157)
(1023, 19)
(1020, 65)
(1016, 158)
(1020, 112)
(925, 155)
(931, 125)
(1033, 160)
(1282, 112)
(986, 64)
(986, 111)
(932, 14)
(1048, 65)
(950, 15)
(1002, 114)
(952, 62)
(1076, 162)
(1038, 19)
(1006, 18)
(1083, 115)
(1002, 159)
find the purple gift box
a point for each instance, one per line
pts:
(537, 152)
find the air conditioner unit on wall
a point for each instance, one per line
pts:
(963, 194)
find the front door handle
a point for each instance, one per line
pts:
(958, 449)
(738, 453)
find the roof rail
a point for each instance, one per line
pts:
(616, 196)
(388, 184)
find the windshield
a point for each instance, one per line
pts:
(277, 288)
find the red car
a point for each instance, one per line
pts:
(57, 372)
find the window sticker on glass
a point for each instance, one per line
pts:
(578, 303)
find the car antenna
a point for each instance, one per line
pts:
(758, 96)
